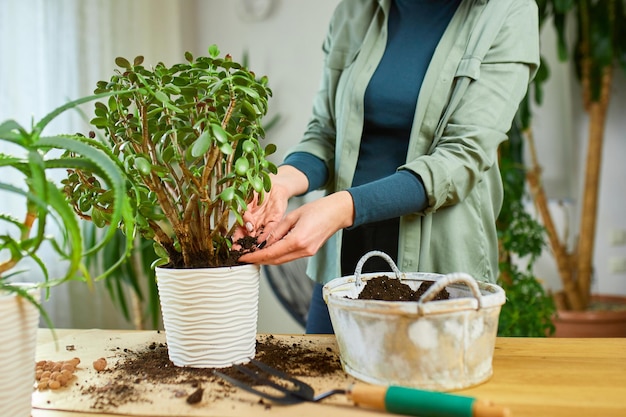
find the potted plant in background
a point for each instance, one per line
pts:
(33, 157)
(188, 139)
(600, 48)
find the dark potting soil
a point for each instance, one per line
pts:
(392, 289)
(247, 244)
(243, 245)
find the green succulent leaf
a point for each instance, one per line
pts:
(122, 62)
(242, 165)
(214, 51)
(201, 145)
(228, 194)
(257, 184)
(270, 149)
(143, 165)
(252, 93)
(248, 146)
(226, 148)
(220, 134)
(162, 97)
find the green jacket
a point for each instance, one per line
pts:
(479, 73)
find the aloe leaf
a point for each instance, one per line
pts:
(39, 127)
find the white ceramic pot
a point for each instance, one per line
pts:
(19, 320)
(210, 314)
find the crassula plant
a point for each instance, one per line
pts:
(188, 137)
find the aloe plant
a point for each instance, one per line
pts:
(34, 156)
(189, 140)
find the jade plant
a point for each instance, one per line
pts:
(28, 161)
(188, 138)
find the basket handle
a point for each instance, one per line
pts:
(359, 266)
(452, 278)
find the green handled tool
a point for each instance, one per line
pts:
(415, 402)
(392, 399)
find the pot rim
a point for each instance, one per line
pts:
(254, 266)
(340, 293)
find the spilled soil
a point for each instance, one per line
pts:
(150, 364)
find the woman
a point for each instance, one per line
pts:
(415, 98)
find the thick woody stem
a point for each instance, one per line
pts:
(154, 182)
(561, 255)
(597, 120)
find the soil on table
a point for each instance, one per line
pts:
(151, 365)
(386, 288)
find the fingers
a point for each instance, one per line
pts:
(276, 244)
(273, 254)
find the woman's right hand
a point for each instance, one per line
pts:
(261, 217)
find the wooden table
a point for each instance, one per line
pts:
(534, 377)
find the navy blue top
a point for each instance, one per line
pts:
(378, 189)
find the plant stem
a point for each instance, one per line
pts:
(562, 257)
(597, 121)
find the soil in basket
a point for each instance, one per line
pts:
(392, 289)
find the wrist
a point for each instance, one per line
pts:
(290, 180)
(343, 201)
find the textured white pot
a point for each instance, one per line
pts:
(210, 314)
(19, 320)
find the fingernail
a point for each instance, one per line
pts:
(249, 226)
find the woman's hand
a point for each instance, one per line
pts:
(261, 217)
(303, 231)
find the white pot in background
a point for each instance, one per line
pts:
(19, 320)
(210, 314)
